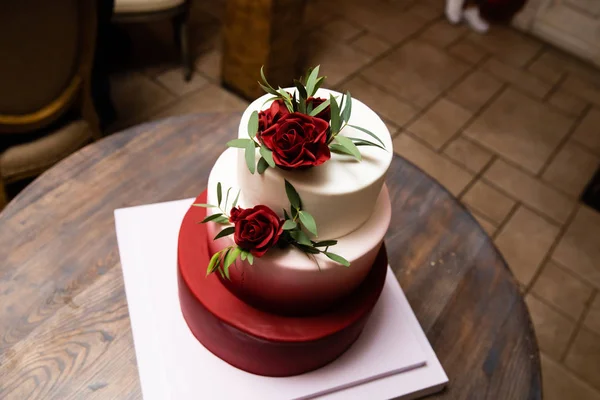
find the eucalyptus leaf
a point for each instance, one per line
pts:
(289, 225)
(262, 165)
(320, 108)
(312, 81)
(269, 99)
(335, 116)
(285, 214)
(301, 237)
(339, 149)
(253, 124)
(292, 195)
(337, 258)
(250, 258)
(309, 222)
(365, 142)
(225, 232)
(262, 75)
(230, 258)
(307, 249)
(269, 90)
(295, 105)
(302, 95)
(240, 143)
(227, 198)
(347, 143)
(347, 108)
(219, 194)
(243, 255)
(214, 263)
(204, 205)
(268, 156)
(368, 132)
(236, 199)
(211, 218)
(250, 155)
(222, 220)
(318, 84)
(325, 243)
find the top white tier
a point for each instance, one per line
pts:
(341, 193)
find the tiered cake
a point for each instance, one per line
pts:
(303, 301)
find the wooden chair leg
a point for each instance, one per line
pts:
(3, 196)
(182, 40)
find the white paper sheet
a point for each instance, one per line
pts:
(391, 358)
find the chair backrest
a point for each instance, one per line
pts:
(46, 55)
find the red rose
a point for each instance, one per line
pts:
(297, 141)
(257, 229)
(325, 115)
(268, 117)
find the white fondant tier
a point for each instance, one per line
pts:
(341, 193)
(288, 276)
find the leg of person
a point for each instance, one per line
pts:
(475, 21)
(454, 10)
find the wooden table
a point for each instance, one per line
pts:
(64, 324)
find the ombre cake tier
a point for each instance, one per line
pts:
(252, 339)
(341, 193)
(286, 280)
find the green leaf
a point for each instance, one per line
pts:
(262, 165)
(300, 237)
(230, 258)
(320, 108)
(239, 143)
(268, 156)
(347, 143)
(309, 222)
(311, 81)
(347, 108)
(268, 100)
(253, 124)
(337, 258)
(222, 220)
(269, 90)
(339, 149)
(289, 225)
(368, 132)
(214, 263)
(227, 198)
(285, 214)
(335, 116)
(204, 205)
(236, 199)
(243, 255)
(318, 84)
(250, 156)
(307, 249)
(292, 195)
(325, 243)
(211, 218)
(365, 142)
(250, 258)
(262, 75)
(225, 232)
(219, 194)
(305, 77)
(302, 94)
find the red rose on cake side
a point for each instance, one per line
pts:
(257, 229)
(297, 141)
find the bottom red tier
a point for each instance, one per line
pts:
(254, 340)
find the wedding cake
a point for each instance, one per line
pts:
(281, 259)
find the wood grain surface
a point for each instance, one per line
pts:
(64, 323)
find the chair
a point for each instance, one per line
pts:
(127, 11)
(46, 108)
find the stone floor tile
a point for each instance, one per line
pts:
(468, 154)
(488, 201)
(579, 248)
(370, 44)
(592, 319)
(383, 103)
(441, 33)
(587, 131)
(568, 103)
(520, 79)
(211, 98)
(552, 329)
(529, 190)
(341, 29)
(209, 64)
(427, 10)
(473, 92)
(440, 122)
(583, 88)
(524, 242)
(508, 45)
(337, 60)
(583, 357)
(520, 129)
(572, 168)
(454, 178)
(467, 51)
(553, 64)
(417, 71)
(561, 384)
(560, 288)
(173, 81)
(487, 226)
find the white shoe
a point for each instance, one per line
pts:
(478, 24)
(454, 10)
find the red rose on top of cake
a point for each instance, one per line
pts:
(271, 115)
(297, 141)
(257, 229)
(325, 115)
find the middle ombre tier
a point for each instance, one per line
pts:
(288, 281)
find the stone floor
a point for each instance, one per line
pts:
(508, 124)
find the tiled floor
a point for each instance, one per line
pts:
(508, 124)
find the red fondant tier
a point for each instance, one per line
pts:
(254, 340)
